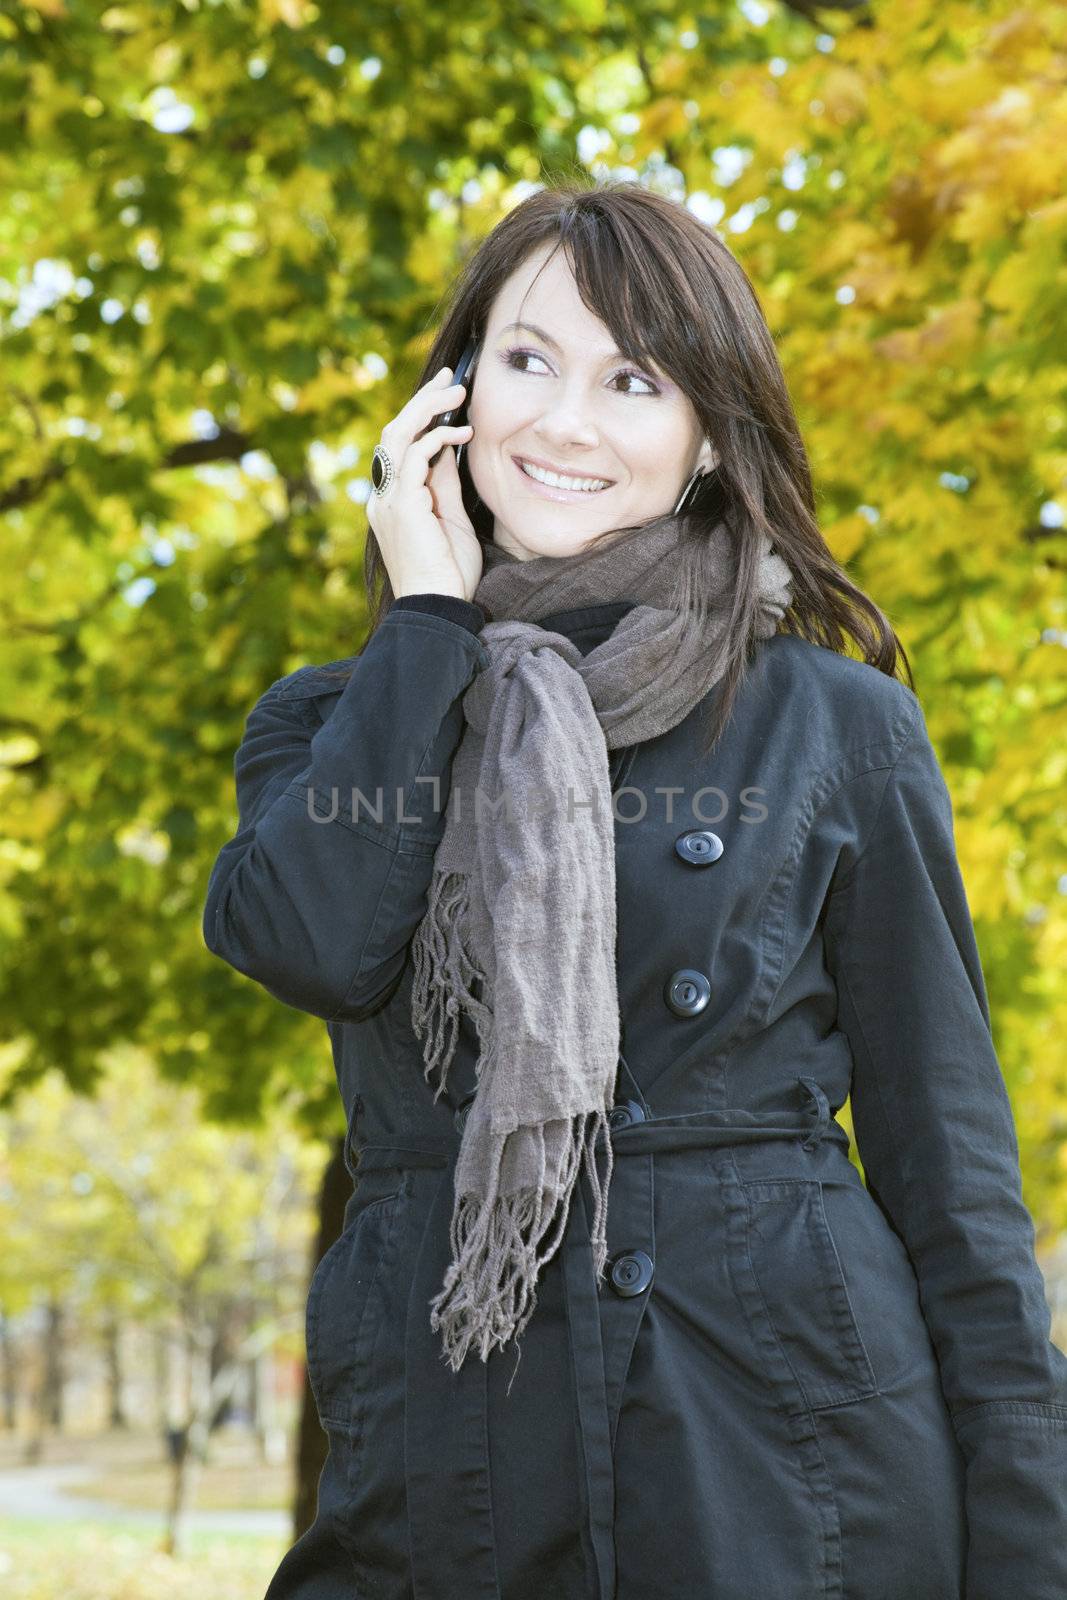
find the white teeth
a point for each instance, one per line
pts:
(557, 482)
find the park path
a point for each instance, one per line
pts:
(40, 1493)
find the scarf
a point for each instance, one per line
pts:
(520, 925)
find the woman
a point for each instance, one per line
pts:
(591, 1023)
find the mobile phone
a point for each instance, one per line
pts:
(463, 374)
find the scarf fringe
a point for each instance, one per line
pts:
(444, 974)
(489, 1292)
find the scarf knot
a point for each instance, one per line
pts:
(509, 642)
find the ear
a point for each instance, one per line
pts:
(708, 458)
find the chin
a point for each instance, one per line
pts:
(567, 542)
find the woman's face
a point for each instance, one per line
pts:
(562, 398)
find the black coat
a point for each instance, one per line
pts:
(790, 1386)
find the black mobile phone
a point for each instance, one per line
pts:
(463, 374)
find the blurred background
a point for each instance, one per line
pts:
(226, 229)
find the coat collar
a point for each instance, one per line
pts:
(587, 626)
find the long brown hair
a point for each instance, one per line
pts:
(673, 296)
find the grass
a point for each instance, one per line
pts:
(44, 1560)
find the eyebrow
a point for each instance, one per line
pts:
(531, 327)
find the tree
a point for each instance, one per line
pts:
(127, 1206)
(226, 237)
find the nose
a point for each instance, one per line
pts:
(566, 425)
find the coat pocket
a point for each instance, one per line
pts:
(344, 1308)
(791, 1282)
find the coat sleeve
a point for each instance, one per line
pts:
(467, 612)
(935, 1132)
(319, 891)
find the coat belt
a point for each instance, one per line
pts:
(446, 1413)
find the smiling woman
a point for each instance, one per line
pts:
(578, 423)
(753, 1373)
(573, 418)
(623, 371)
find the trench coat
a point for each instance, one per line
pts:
(792, 1383)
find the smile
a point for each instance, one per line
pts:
(557, 485)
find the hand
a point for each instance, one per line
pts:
(427, 541)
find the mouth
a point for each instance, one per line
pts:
(560, 486)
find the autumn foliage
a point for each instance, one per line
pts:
(224, 237)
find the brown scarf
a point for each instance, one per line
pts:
(522, 900)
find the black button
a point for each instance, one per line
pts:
(622, 1115)
(631, 1273)
(701, 847)
(687, 992)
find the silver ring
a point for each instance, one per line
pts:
(382, 471)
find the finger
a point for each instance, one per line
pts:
(410, 467)
(447, 458)
(427, 444)
(444, 480)
(446, 400)
(428, 402)
(438, 479)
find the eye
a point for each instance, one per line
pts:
(512, 357)
(630, 372)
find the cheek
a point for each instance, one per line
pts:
(651, 446)
(494, 410)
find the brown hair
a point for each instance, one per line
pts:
(672, 295)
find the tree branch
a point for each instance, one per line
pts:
(229, 444)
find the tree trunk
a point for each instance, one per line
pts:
(113, 1359)
(271, 1442)
(161, 1375)
(188, 1441)
(52, 1388)
(222, 1348)
(7, 1377)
